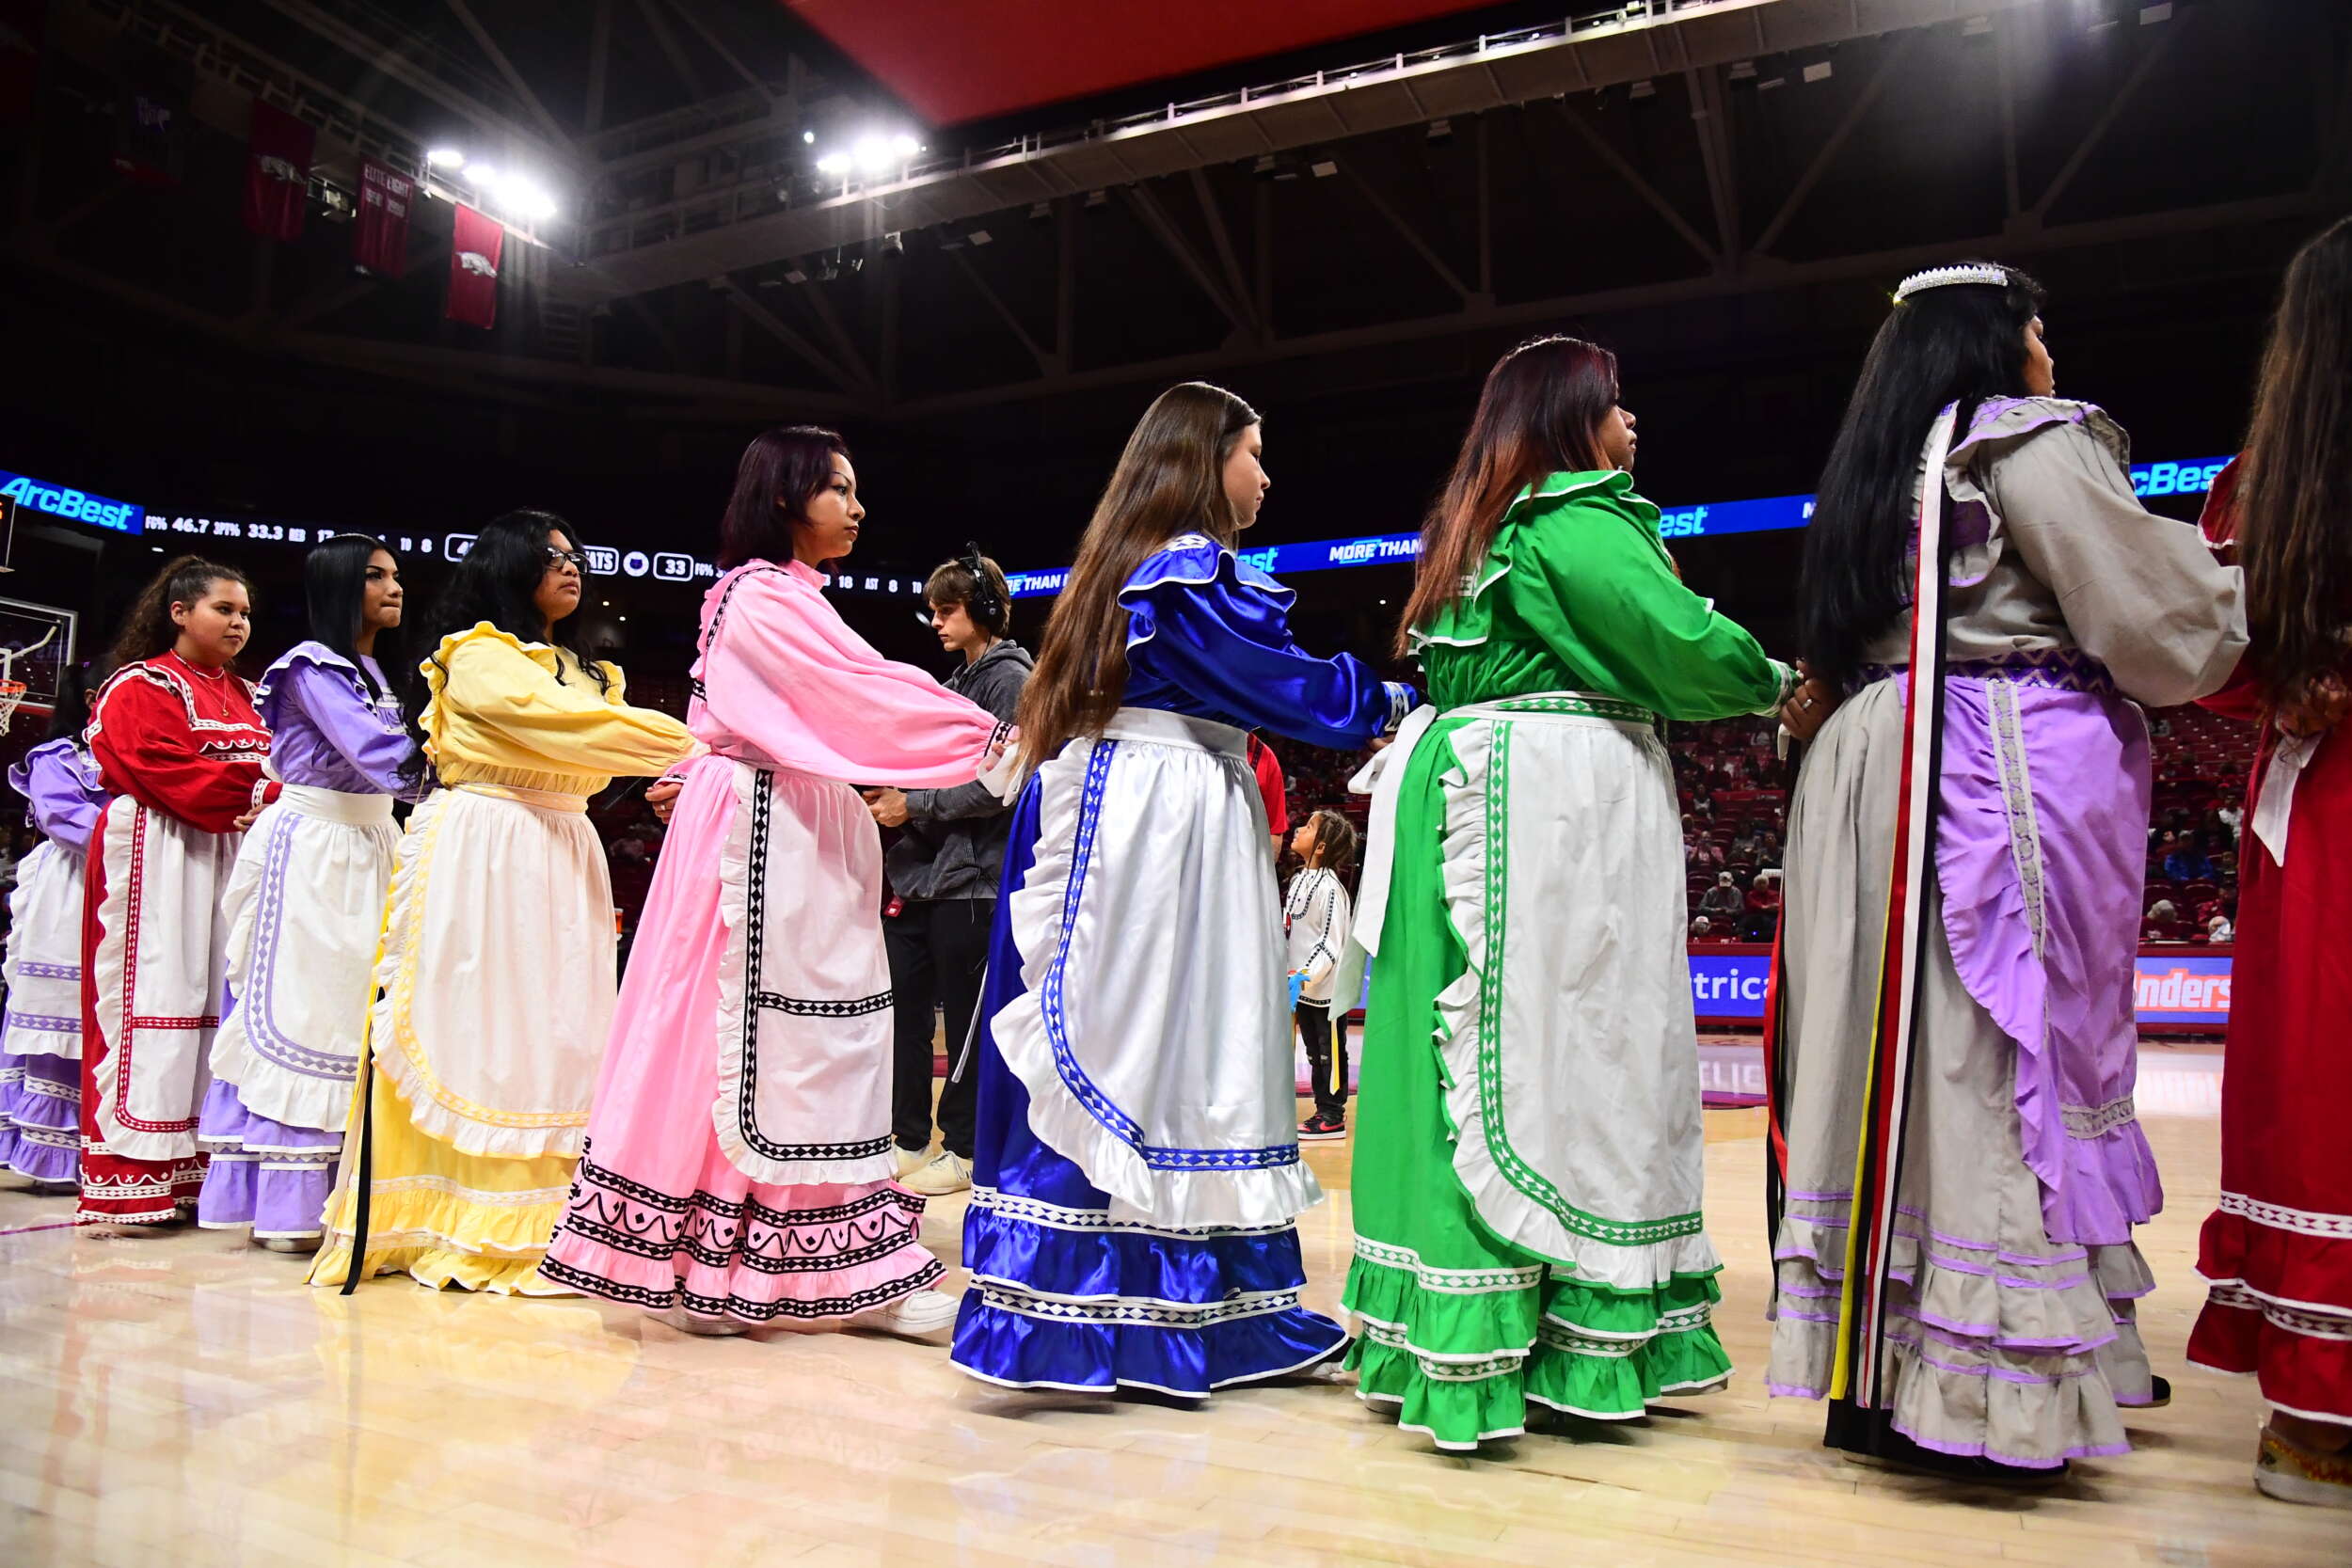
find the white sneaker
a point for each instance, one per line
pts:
(918, 1316)
(946, 1174)
(694, 1323)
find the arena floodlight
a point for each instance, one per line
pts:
(446, 157)
(834, 164)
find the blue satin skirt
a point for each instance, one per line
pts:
(1065, 1297)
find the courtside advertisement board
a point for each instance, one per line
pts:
(2179, 989)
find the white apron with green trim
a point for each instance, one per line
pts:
(1570, 1056)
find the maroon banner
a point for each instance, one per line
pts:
(277, 172)
(21, 24)
(379, 240)
(474, 247)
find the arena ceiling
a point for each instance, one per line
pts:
(1683, 158)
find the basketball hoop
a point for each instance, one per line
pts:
(11, 689)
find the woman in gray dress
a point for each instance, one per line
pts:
(1958, 1166)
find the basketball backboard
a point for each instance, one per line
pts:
(25, 625)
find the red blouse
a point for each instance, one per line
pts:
(181, 740)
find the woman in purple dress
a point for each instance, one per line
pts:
(304, 904)
(41, 1050)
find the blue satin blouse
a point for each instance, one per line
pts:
(1208, 635)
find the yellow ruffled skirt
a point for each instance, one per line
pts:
(443, 1217)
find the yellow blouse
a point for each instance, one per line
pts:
(496, 713)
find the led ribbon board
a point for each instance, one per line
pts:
(1709, 520)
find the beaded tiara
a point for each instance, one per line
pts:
(1944, 278)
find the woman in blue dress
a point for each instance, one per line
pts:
(1136, 1181)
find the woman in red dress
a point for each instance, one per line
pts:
(2277, 1251)
(179, 750)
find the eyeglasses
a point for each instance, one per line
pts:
(577, 559)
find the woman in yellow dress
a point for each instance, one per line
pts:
(494, 986)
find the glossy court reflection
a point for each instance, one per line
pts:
(190, 1399)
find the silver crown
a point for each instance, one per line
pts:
(1944, 278)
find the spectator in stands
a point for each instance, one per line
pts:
(2186, 863)
(944, 870)
(1699, 929)
(1722, 899)
(2219, 931)
(1747, 847)
(2232, 816)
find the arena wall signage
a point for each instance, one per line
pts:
(2176, 987)
(68, 504)
(1709, 520)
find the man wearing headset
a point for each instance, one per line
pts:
(944, 873)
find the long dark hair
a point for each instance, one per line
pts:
(1539, 413)
(779, 474)
(496, 582)
(148, 628)
(1170, 480)
(335, 591)
(70, 716)
(1961, 344)
(2294, 522)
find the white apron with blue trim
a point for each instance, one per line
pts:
(1153, 1037)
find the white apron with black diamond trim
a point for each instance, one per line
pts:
(804, 1021)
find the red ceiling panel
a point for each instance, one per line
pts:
(956, 61)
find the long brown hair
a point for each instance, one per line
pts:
(1169, 481)
(1540, 414)
(1333, 847)
(2295, 524)
(148, 628)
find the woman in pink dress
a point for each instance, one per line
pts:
(738, 1162)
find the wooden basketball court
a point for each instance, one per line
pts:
(189, 1400)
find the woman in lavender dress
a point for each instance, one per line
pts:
(1961, 1164)
(304, 904)
(41, 1042)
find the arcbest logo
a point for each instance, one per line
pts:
(477, 263)
(1683, 523)
(58, 500)
(1263, 559)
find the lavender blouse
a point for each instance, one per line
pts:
(327, 732)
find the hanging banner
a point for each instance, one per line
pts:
(277, 172)
(21, 24)
(474, 247)
(151, 116)
(379, 238)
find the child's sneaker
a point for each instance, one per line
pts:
(1321, 1129)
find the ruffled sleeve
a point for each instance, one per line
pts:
(496, 696)
(63, 788)
(1578, 565)
(785, 674)
(1204, 621)
(325, 690)
(2141, 593)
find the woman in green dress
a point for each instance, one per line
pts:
(1528, 1159)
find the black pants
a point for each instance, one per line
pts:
(938, 947)
(1318, 1029)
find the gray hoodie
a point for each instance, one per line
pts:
(953, 844)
